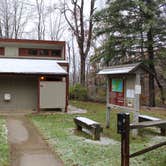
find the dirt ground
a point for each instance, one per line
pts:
(27, 148)
(160, 110)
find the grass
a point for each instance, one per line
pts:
(4, 149)
(74, 150)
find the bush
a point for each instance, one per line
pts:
(78, 92)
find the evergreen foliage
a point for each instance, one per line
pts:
(134, 31)
(126, 25)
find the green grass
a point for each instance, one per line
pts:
(74, 150)
(4, 149)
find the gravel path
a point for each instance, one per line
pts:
(27, 146)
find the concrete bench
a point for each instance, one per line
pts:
(143, 118)
(93, 126)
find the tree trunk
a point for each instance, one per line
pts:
(162, 98)
(74, 61)
(82, 74)
(152, 68)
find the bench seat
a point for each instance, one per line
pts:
(147, 118)
(143, 118)
(93, 126)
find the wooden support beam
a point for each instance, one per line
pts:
(148, 149)
(160, 123)
(108, 117)
(137, 100)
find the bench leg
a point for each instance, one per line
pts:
(79, 128)
(163, 131)
(96, 133)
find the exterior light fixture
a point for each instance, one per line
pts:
(42, 78)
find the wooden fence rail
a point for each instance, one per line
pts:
(124, 128)
(159, 123)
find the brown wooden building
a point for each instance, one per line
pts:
(33, 75)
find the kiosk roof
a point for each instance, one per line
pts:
(123, 69)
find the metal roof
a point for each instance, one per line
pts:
(30, 66)
(121, 69)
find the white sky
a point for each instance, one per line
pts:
(32, 33)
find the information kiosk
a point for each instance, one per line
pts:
(124, 84)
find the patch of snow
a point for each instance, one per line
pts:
(86, 120)
(102, 141)
(149, 117)
(30, 66)
(75, 110)
(157, 139)
(5, 132)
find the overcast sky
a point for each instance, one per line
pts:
(30, 30)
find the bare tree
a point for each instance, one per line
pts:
(0, 29)
(74, 61)
(56, 24)
(5, 18)
(13, 18)
(81, 28)
(19, 20)
(41, 19)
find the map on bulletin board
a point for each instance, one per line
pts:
(117, 85)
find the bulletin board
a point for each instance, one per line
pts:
(116, 90)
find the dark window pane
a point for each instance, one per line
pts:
(43, 52)
(53, 78)
(56, 53)
(2, 51)
(32, 51)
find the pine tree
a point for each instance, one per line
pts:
(136, 32)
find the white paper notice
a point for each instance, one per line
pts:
(137, 89)
(130, 93)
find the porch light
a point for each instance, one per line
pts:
(42, 78)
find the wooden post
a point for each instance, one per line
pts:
(108, 109)
(108, 117)
(163, 131)
(108, 92)
(137, 101)
(124, 130)
(38, 95)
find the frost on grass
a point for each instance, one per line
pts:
(4, 151)
(78, 149)
(74, 150)
(155, 157)
(102, 141)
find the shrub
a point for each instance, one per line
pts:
(78, 92)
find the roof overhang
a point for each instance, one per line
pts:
(124, 69)
(30, 66)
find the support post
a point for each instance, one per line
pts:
(137, 101)
(108, 117)
(123, 126)
(108, 109)
(38, 95)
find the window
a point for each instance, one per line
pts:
(54, 78)
(23, 52)
(43, 52)
(2, 51)
(56, 53)
(32, 52)
(40, 52)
